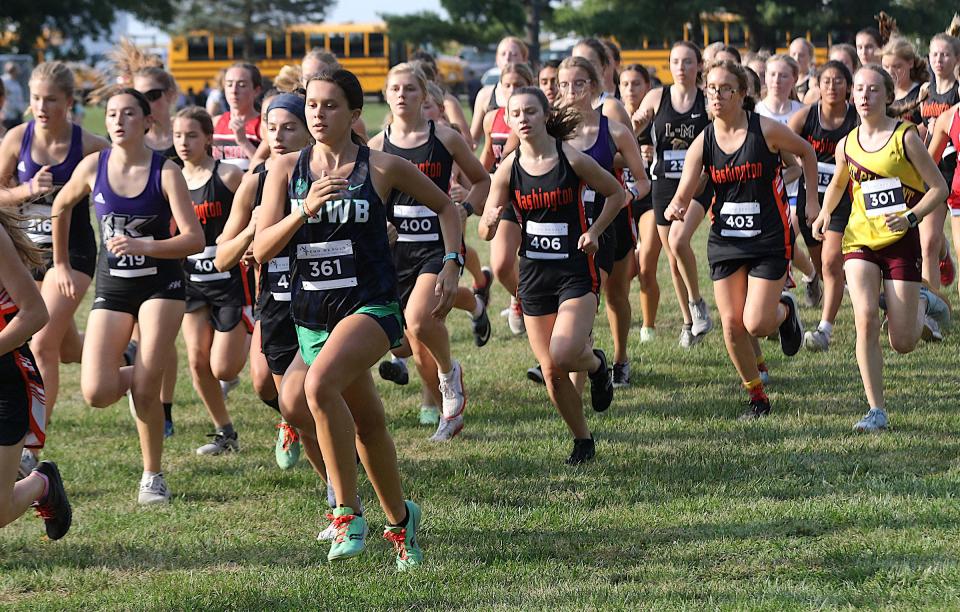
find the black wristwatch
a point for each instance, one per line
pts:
(467, 206)
(911, 218)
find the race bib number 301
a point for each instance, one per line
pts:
(883, 196)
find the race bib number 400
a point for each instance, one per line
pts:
(740, 219)
(883, 196)
(416, 224)
(201, 269)
(326, 265)
(547, 240)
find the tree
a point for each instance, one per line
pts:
(72, 20)
(247, 17)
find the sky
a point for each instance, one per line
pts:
(367, 10)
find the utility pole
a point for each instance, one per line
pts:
(533, 28)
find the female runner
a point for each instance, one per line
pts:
(36, 159)
(823, 125)
(885, 166)
(236, 133)
(909, 72)
(419, 252)
(543, 181)
(219, 316)
(634, 86)
(802, 51)
(602, 140)
(344, 296)
(136, 193)
(22, 313)
(677, 114)
(750, 243)
(510, 50)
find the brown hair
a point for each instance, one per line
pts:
(12, 223)
(585, 65)
(561, 122)
(740, 73)
(288, 79)
(198, 114)
(901, 48)
(520, 68)
(255, 78)
(851, 52)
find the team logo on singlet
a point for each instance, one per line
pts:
(300, 187)
(125, 225)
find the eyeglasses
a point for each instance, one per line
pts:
(578, 84)
(724, 91)
(153, 95)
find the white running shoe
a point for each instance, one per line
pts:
(702, 323)
(688, 338)
(226, 386)
(931, 330)
(220, 444)
(153, 490)
(515, 318)
(874, 420)
(817, 341)
(647, 334)
(28, 463)
(454, 398)
(448, 429)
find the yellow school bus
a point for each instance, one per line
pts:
(363, 48)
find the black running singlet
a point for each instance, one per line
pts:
(932, 107)
(824, 143)
(212, 202)
(672, 135)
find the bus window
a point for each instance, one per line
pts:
(197, 48)
(278, 46)
(259, 47)
(317, 41)
(356, 44)
(238, 50)
(298, 45)
(337, 44)
(220, 48)
(376, 44)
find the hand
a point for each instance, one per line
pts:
(819, 225)
(642, 117)
(323, 190)
(391, 233)
(489, 221)
(896, 222)
(675, 212)
(463, 214)
(812, 211)
(65, 280)
(248, 259)
(588, 242)
(252, 224)
(458, 193)
(647, 152)
(125, 245)
(446, 288)
(42, 182)
(238, 127)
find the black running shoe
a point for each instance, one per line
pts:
(55, 510)
(130, 354)
(395, 372)
(758, 409)
(484, 292)
(791, 331)
(535, 374)
(481, 328)
(583, 451)
(601, 384)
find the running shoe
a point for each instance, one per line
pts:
(287, 449)
(812, 291)
(948, 273)
(874, 420)
(429, 415)
(328, 534)
(535, 374)
(583, 451)
(765, 377)
(601, 384)
(404, 539)
(448, 428)
(226, 386)
(350, 539)
(688, 338)
(28, 463)
(931, 330)
(758, 409)
(451, 391)
(937, 308)
(220, 444)
(55, 508)
(130, 353)
(621, 375)
(153, 490)
(481, 328)
(130, 405)
(168, 430)
(515, 318)
(647, 334)
(395, 371)
(791, 330)
(702, 323)
(484, 292)
(817, 341)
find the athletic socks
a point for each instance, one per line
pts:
(227, 430)
(478, 308)
(825, 327)
(46, 485)
(762, 364)
(406, 518)
(755, 389)
(273, 403)
(168, 411)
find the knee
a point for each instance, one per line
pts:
(321, 391)
(867, 323)
(759, 326)
(733, 327)
(199, 362)
(223, 370)
(930, 241)
(422, 324)
(564, 357)
(97, 396)
(370, 425)
(902, 343)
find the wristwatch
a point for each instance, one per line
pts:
(454, 256)
(467, 206)
(911, 218)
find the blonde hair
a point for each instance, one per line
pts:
(435, 93)
(789, 61)
(12, 222)
(57, 73)
(585, 65)
(288, 79)
(524, 51)
(408, 68)
(901, 48)
(521, 68)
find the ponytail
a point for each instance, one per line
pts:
(561, 122)
(12, 222)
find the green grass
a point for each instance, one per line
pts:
(684, 507)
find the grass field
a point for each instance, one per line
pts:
(683, 507)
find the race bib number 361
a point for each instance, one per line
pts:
(327, 265)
